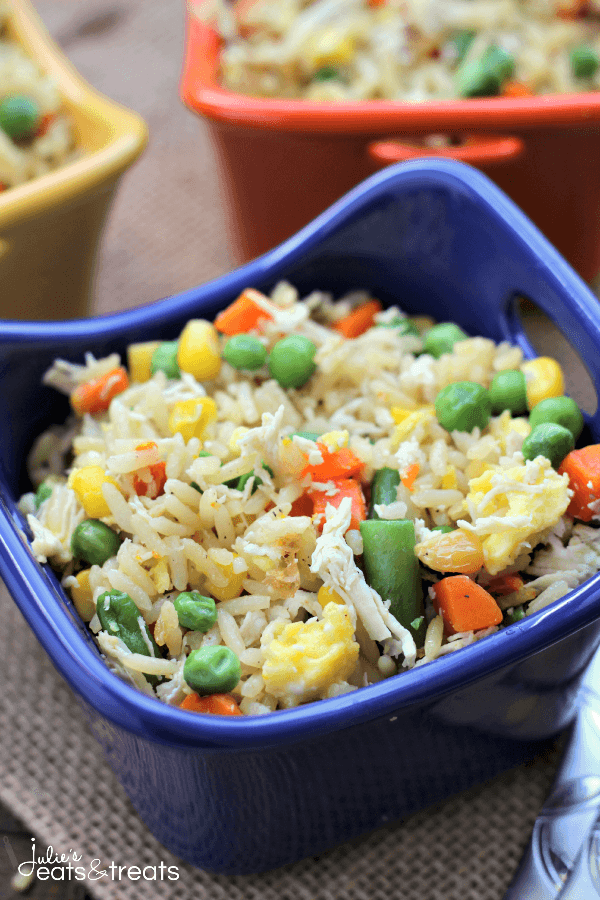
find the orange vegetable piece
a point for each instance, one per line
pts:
(303, 506)
(516, 89)
(347, 487)
(216, 704)
(505, 584)
(409, 475)
(465, 605)
(243, 315)
(583, 468)
(359, 320)
(94, 396)
(341, 463)
(572, 9)
(155, 485)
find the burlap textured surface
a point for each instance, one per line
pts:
(166, 233)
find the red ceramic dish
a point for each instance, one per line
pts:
(285, 161)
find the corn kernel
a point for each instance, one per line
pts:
(190, 418)
(450, 481)
(236, 434)
(328, 595)
(198, 351)
(329, 45)
(543, 379)
(87, 483)
(233, 588)
(82, 596)
(139, 357)
(334, 440)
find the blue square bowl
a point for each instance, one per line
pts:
(244, 795)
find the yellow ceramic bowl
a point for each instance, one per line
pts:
(50, 227)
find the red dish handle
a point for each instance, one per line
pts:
(478, 150)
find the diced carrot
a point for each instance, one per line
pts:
(409, 475)
(516, 89)
(347, 487)
(583, 468)
(45, 123)
(359, 320)
(341, 463)
(303, 506)
(572, 9)
(94, 396)
(244, 314)
(505, 584)
(376, 3)
(154, 485)
(217, 704)
(464, 605)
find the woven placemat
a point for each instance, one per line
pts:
(166, 233)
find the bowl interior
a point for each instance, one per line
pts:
(432, 237)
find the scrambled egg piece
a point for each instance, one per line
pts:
(305, 658)
(511, 508)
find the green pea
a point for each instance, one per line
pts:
(463, 406)
(195, 611)
(560, 410)
(441, 338)
(291, 362)
(309, 435)
(325, 73)
(19, 117)
(164, 359)
(120, 617)
(445, 529)
(484, 77)
(549, 440)
(584, 61)
(212, 670)
(94, 542)
(42, 493)
(515, 616)
(243, 351)
(403, 324)
(462, 40)
(508, 391)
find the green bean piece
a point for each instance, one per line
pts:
(326, 73)
(291, 362)
(196, 487)
(195, 611)
(560, 410)
(584, 61)
(484, 77)
(164, 359)
(42, 493)
(403, 324)
(94, 542)
(445, 529)
(212, 670)
(441, 338)
(392, 569)
(549, 440)
(383, 489)
(463, 406)
(243, 479)
(244, 351)
(461, 41)
(508, 391)
(120, 617)
(19, 117)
